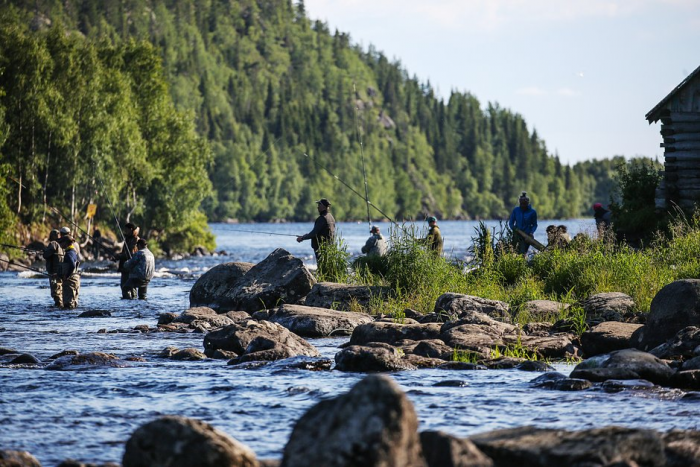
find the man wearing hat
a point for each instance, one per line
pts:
(53, 254)
(141, 268)
(69, 273)
(375, 245)
(434, 238)
(524, 218)
(131, 237)
(324, 227)
(65, 231)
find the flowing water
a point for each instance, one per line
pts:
(89, 414)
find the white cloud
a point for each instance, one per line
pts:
(567, 92)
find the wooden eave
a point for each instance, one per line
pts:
(655, 114)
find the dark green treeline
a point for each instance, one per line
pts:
(266, 85)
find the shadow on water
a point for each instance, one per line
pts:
(89, 414)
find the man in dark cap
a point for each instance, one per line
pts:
(434, 238)
(53, 254)
(602, 217)
(375, 245)
(71, 278)
(324, 227)
(141, 268)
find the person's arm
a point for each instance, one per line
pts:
(534, 221)
(133, 262)
(369, 244)
(511, 220)
(319, 225)
(49, 251)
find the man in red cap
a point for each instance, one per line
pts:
(602, 217)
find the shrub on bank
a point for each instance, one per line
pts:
(588, 266)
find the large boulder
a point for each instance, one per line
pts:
(456, 304)
(374, 357)
(543, 310)
(344, 296)
(443, 450)
(607, 337)
(182, 442)
(214, 288)
(535, 447)
(372, 425)
(310, 321)
(682, 448)
(553, 346)
(87, 360)
(279, 278)
(203, 317)
(674, 307)
(624, 364)
(390, 333)
(474, 338)
(268, 338)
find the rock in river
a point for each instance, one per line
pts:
(214, 288)
(310, 321)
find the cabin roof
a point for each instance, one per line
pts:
(654, 114)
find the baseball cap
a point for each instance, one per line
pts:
(64, 231)
(431, 219)
(324, 201)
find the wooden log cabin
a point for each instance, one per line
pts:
(679, 113)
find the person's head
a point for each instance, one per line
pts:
(65, 241)
(597, 206)
(562, 229)
(64, 231)
(524, 200)
(141, 244)
(374, 229)
(53, 235)
(551, 229)
(432, 220)
(323, 204)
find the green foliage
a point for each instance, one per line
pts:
(465, 356)
(265, 85)
(636, 184)
(333, 261)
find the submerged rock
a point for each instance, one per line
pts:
(373, 357)
(624, 364)
(372, 425)
(182, 442)
(86, 361)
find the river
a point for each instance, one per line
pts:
(88, 415)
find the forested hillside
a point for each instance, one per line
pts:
(283, 104)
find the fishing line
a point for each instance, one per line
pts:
(362, 154)
(260, 232)
(25, 267)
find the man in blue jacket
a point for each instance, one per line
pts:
(140, 268)
(523, 217)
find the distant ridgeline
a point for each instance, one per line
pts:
(258, 85)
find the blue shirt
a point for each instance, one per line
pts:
(523, 219)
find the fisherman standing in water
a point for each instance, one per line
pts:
(524, 218)
(324, 227)
(53, 254)
(69, 273)
(141, 268)
(131, 236)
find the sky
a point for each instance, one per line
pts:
(583, 73)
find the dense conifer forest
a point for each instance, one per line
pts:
(246, 109)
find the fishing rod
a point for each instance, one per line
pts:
(26, 267)
(362, 154)
(28, 250)
(369, 203)
(261, 232)
(114, 214)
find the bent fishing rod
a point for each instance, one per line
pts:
(362, 154)
(25, 267)
(109, 205)
(369, 203)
